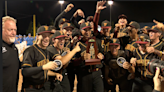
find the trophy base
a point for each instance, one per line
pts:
(92, 62)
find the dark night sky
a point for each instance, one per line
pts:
(46, 11)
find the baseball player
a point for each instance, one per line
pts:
(36, 67)
(115, 74)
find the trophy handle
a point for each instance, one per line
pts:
(95, 47)
(88, 46)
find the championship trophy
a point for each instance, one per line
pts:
(96, 60)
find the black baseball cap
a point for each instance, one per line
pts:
(90, 18)
(146, 27)
(63, 20)
(134, 24)
(67, 25)
(154, 29)
(105, 24)
(114, 41)
(76, 32)
(58, 34)
(143, 39)
(85, 25)
(44, 29)
(122, 16)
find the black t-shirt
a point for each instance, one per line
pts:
(11, 65)
(115, 71)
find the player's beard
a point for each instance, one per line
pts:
(12, 39)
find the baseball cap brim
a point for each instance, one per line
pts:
(130, 25)
(152, 30)
(86, 27)
(61, 36)
(46, 32)
(106, 27)
(64, 22)
(114, 44)
(69, 27)
(141, 42)
(122, 17)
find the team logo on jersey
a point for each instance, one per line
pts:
(68, 24)
(86, 24)
(63, 19)
(131, 23)
(4, 49)
(46, 27)
(114, 40)
(105, 24)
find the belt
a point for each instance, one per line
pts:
(91, 70)
(36, 86)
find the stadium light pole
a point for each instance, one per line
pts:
(110, 3)
(61, 3)
(6, 7)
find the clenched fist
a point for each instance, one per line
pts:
(159, 25)
(49, 66)
(150, 49)
(100, 56)
(133, 61)
(80, 13)
(69, 7)
(87, 56)
(77, 47)
(110, 81)
(126, 65)
(59, 77)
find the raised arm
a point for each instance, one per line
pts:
(99, 7)
(62, 14)
(79, 12)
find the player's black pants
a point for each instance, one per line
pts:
(65, 84)
(142, 85)
(71, 69)
(90, 82)
(33, 90)
(123, 83)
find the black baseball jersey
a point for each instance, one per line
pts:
(53, 51)
(83, 45)
(159, 46)
(141, 63)
(33, 60)
(105, 44)
(115, 71)
(122, 35)
(67, 45)
(11, 65)
(129, 49)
